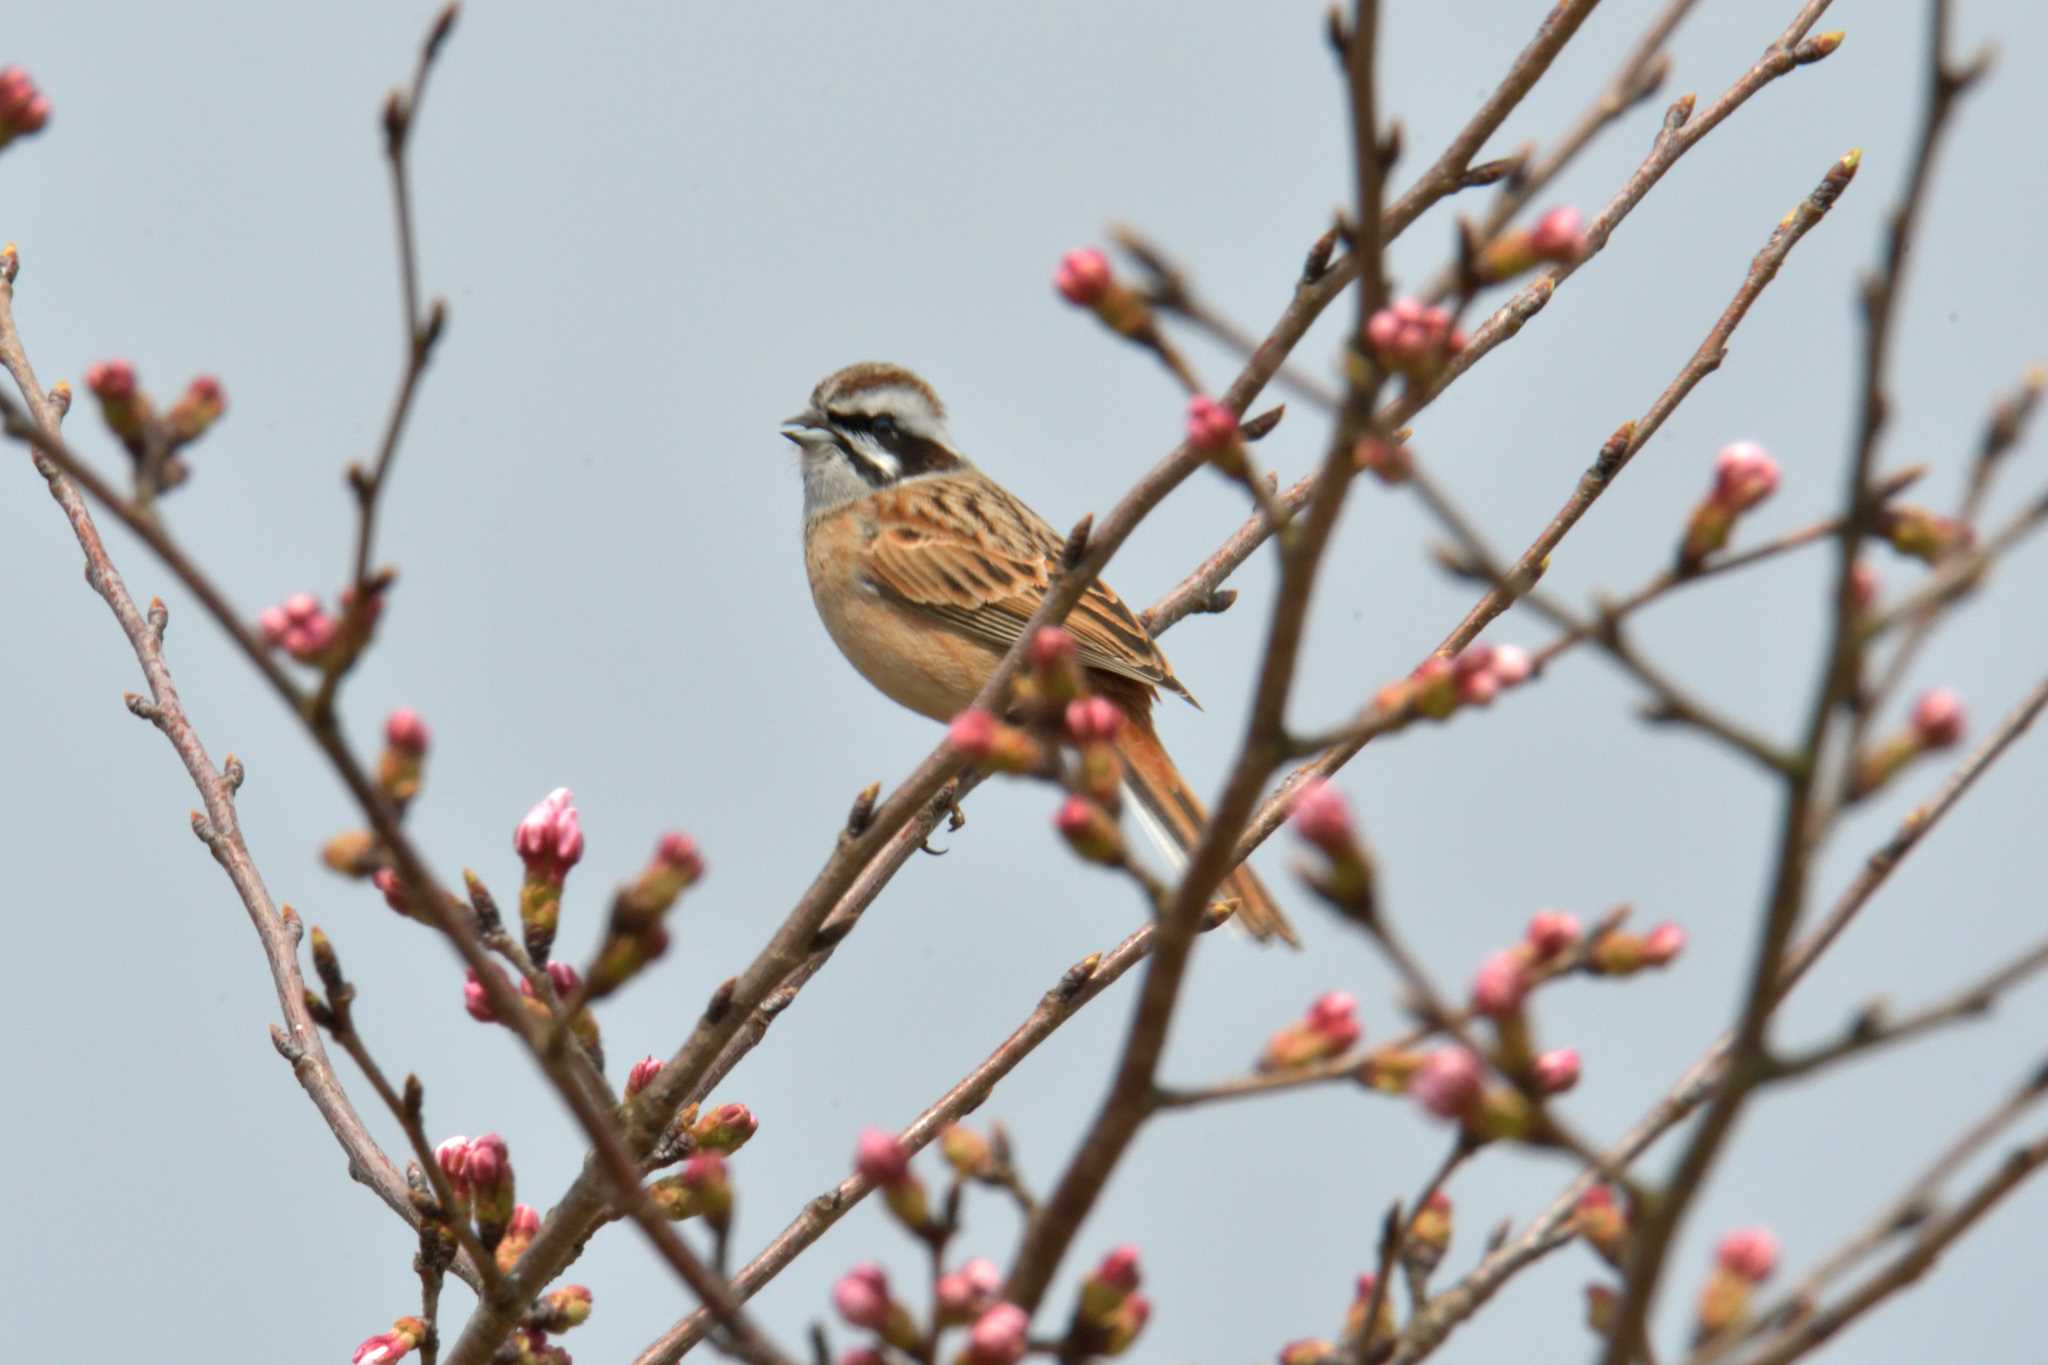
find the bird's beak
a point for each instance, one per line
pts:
(807, 429)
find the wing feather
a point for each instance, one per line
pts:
(969, 554)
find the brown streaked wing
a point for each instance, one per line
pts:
(981, 561)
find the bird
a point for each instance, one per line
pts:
(926, 571)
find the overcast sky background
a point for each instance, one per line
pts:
(656, 231)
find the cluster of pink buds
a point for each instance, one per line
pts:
(1937, 723)
(1617, 953)
(519, 1235)
(884, 1162)
(1329, 1029)
(999, 1336)
(1745, 1259)
(302, 628)
(701, 1189)
(1383, 1327)
(1558, 238)
(1744, 475)
(1212, 430)
(960, 1296)
(635, 935)
(1110, 1312)
(479, 1170)
(133, 418)
(862, 1297)
(1414, 339)
(1439, 686)
(405, 1335)
(1921, 534)
(549, 842)
(23, 108)
(399, 766)
(299, 626)
(1322, 819)
(1084, 279)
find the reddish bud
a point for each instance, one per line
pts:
(1212, 428)
(725, 1129)
(1387, 461)
(1308, 1351)
(519, 1235)
(1744, 475)
(385, 1347)
(1093, 720)
(998, 1336)
(111, 381)
(406, 732)
(1500, 984)
(386, 880)
(23, 110)
(1412, 338)
(1447, 1085)
(1083, 276)
(1749, 1254)
(964, 1294)
(977, 736)
(201, 405)
(1511, 665)
(1557, 1071)
(1559, 235)
(643, 1073)
(880, 1157)
(477, 1000)
(1663, 943)
(1863, 585)
(1938, 718)
(862, 1296)
(1322, 817)
(1550, 933)
(550, 839)
(1090, 831)
(678, 852)
(1600, 1220)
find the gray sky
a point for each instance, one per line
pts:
(656, 232)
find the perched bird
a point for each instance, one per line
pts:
(925, 571)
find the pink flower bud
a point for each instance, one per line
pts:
(550, 839)
(406, 732)
(1500, 984)
(1663, 943)
(726, 1128)
(1749, 1254)
(452, 1156)
(1308, 1351)
(562, 977)
(112, 381)
(973, 734)
(386, 880)
(395, 1344)
(1557, 1071)
(1120, 1269)
(1559, 235)
(1083, 276)
(1511, 665)
(998, 1337)
(23, 108)
(1550, 933)
(965, 1293)
(643, 1072)
(1863, 585)
(1448, 1082)
(1938, 718)
(1093, 720)
(881, 1157)
(525, 1221)
(1333, 1017)
(862, 1296)
(1322, 817)
(1744, 475)
(477, 1000)
(1211, 426)
(1051, 648)
(1089, 831)
(678, 851)
(489, 1164)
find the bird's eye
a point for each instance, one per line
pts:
(884, 426)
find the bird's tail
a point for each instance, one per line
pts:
(1174, 817)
